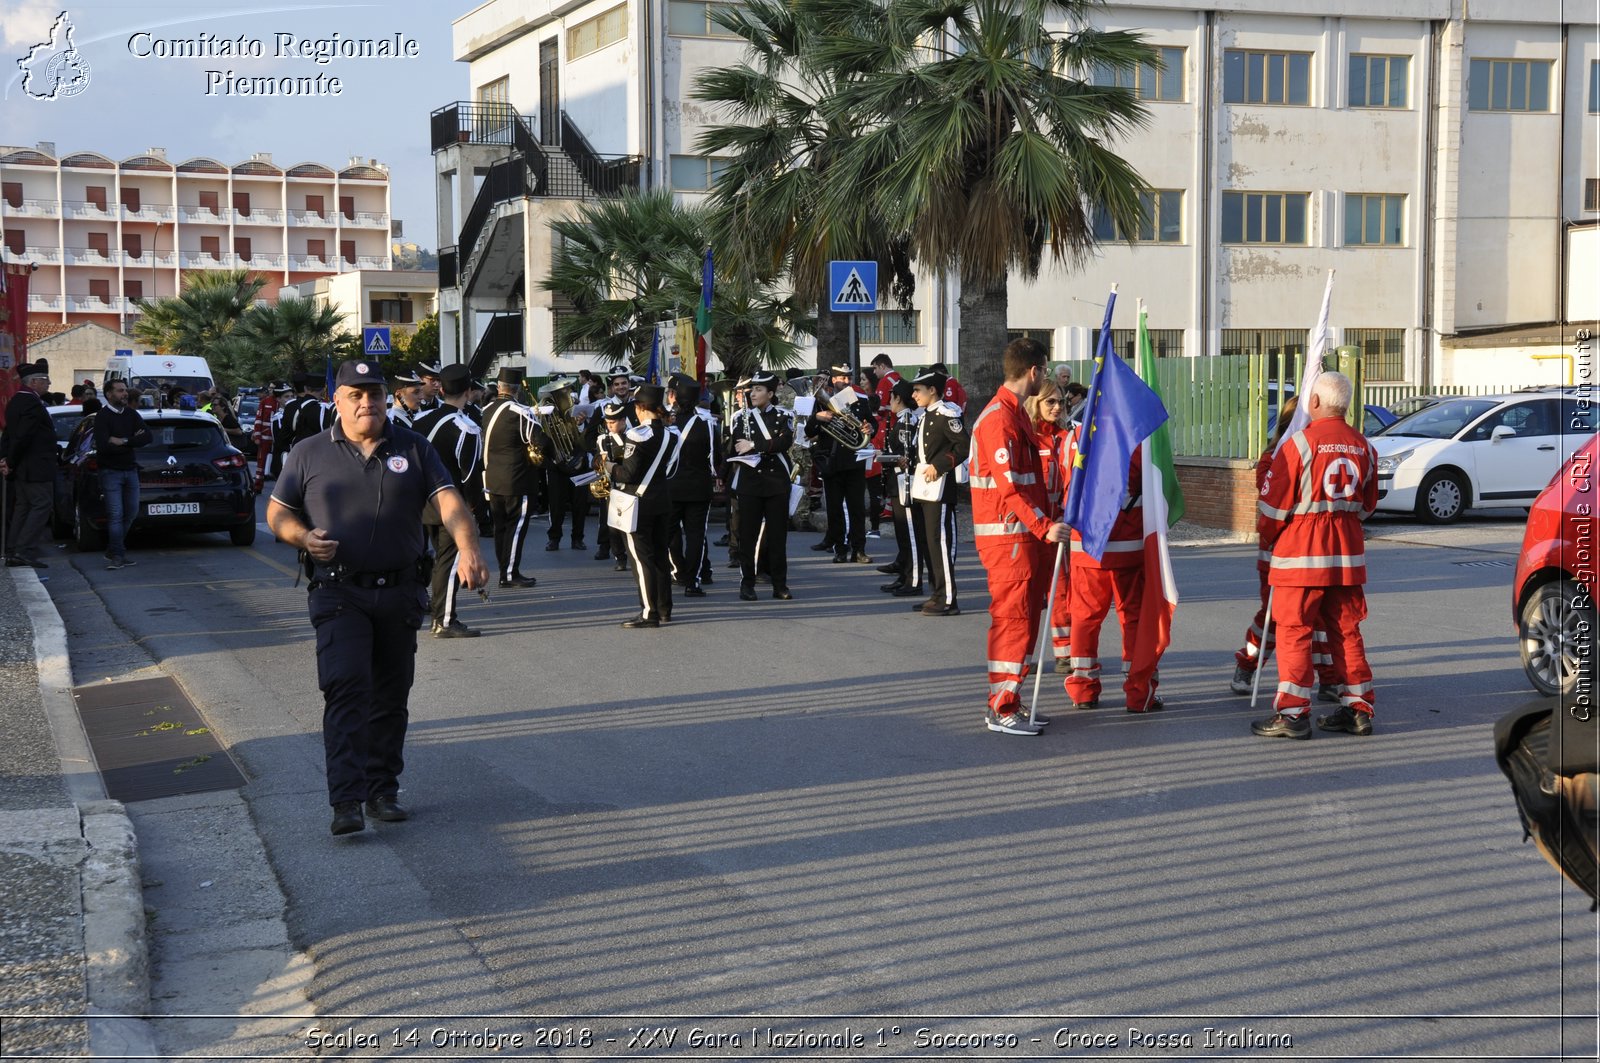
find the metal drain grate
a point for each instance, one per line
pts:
(1483, 564)
(150, 741)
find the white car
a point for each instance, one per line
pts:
(1492, 450)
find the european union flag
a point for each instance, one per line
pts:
(1120, 412)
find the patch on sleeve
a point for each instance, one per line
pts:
(1002, 456)
(955, 424)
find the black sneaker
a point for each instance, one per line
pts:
(694, 592)
(455, 629)
(1041, 719)
(1243, 680)
(907, 591)
(387, 809)
(747, 591)
(1280, 726)
(347, 818)
(889, 570)
(1328, 692)
(890, 588)
(553, 544)
(579, 544)
(1348, 720)
(1011, 722)
(517, 581)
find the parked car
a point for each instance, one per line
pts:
(1375, 418)
(1550, 594)
(66, 420)
(1482, 451)
(190, 479)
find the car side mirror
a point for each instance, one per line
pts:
(1503, 431)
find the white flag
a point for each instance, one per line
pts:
(1308, 379)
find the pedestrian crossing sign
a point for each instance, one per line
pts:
(853, 287)
(375, 341)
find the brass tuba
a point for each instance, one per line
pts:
(847, 429)
(561, 430)
(600, 486)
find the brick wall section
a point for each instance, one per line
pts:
(1219, 492)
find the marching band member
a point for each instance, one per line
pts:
(563, 495)
(900, 447)
(459, 442)
(643, 458)
(941, 446)
(508, 475)
(1046, 411)
(763, 433)
(1012, 528)
(693, 485)
(407, 399)
(608, 544)
(844, 478)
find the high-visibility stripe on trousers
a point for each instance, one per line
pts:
(1296, 612)
(1093, 592)
(1019, 575)
(1249, 655)
(1061, 611)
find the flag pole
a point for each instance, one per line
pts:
(1261, 661)
(1044, 627)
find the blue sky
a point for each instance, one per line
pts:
(132, 103)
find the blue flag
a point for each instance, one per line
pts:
(652, 372)
(329, 377)
(1120, 412)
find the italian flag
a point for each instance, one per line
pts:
(702, 322)
(1163, 507)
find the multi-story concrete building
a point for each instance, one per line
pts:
(395, 298)
(105, 233)
(1441, 157)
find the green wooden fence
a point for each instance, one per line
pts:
(1221, 407)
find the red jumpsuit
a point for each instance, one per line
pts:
(1117, 577)
(1054, 442)
(1010, 519)
(261, 436)
(1249, 654)
(1322, 484)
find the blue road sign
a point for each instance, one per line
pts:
(852, 287)
(375, 341)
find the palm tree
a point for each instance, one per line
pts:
(292, 335)
(984, 142)
(782, 139)
(208, 309)
(627, 264)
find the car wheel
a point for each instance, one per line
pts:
(1555, 628)
(243, 534)
(85, 535)
(1442, 498)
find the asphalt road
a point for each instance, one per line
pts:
(789, 816)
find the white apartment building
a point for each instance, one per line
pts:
(1443, 158)
(104, 233)
(397, 299)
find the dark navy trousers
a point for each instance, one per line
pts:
(366, 659)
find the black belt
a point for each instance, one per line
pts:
(366, 580)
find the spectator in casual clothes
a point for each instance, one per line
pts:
(28, 455)
(119, 430)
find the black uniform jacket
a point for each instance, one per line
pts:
(631, 454)
(29, 441)
(772, 431)
(943, 442)
(828, 454)
(506, 432)
(460, 445)
(697, 456)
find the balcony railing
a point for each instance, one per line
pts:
(367, 262)
(472, 123)
(93, 304)
(607, 175)
(201, 214)
(41, 254)
(149, 212)
(204, 260)
(260, 260)
(44, 302)
(257, 216)
(33, 208)
(307, 217)
(150, 259)
(308, 262)
(78, 208)
(89, 256)
(366, 219)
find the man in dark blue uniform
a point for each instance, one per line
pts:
(352, 499)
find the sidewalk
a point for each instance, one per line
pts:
(71, 912)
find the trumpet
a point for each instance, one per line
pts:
(600, 486)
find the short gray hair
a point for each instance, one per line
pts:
(1335, 389)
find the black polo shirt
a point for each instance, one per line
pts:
(371, 506)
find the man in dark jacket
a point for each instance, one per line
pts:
(692, 487)
(118, 432)
(28, 463)
(508, 476)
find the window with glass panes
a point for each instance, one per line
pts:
(1594, 86)
(1162, 80)
(889, 326)
(1162, 223)
(1374, 220)
(1383, 352)
(692, 18)
(1509, 85)
(1380, 81)
(1266, 77)
(608, 27)
(1591, 194)
(696, 173)
(1265, 217)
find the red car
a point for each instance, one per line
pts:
(1551, 594)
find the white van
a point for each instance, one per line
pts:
(148, 372)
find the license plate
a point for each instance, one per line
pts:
(172, 509)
